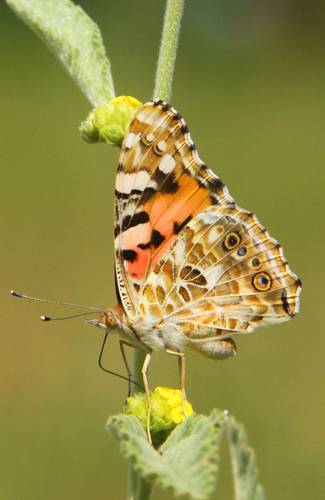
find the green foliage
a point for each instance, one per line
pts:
(75, 40)
(243, 460)
(187, 462)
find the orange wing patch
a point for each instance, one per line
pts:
(169, 214)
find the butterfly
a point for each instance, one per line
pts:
(193, 269)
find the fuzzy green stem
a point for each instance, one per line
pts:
(134, 481)
(138, 360)
(144, 490)
(168, 49)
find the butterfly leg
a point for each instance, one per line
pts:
(126, 364)
(111, 372)
(181, 366)
(144, 372)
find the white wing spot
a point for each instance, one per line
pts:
(150, 137)
(162, 146)
(132, 139)
(208, 217)
(213, 235)
(147, 116)
(137, 180)
(167, 163)
(142, 179)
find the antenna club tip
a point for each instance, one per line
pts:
(15, 293)
(45, 318)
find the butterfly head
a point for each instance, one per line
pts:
(108, 319)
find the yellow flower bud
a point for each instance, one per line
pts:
(109, 122)
(166, 410)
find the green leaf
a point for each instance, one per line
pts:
(76, 41)
(245, 472)
(187, 463)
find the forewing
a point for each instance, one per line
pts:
(223, 275)
(161, 185)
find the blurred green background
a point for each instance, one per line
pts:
(250, 81)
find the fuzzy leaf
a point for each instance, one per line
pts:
(187, 463)
(243, 460)
(76, 41)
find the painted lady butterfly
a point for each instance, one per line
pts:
(192, 268)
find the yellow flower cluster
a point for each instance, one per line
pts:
(166, 409)
(109, 122)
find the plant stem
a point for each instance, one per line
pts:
(138, 489)
(144, 490)
(134, 481)
(168, 49)
(138, 360)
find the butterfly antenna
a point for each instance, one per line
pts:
(100, 362)
(22, 295)
(58, 318)
(92, 309)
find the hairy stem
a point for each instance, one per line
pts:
(144, 490)
(168, 49)
(138, 360)
(134, 481)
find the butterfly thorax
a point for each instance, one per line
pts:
(158, 335)
(155, 335)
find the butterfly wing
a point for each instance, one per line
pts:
(224, 275)
(161, 185)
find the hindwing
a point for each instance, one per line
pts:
(223, 276)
